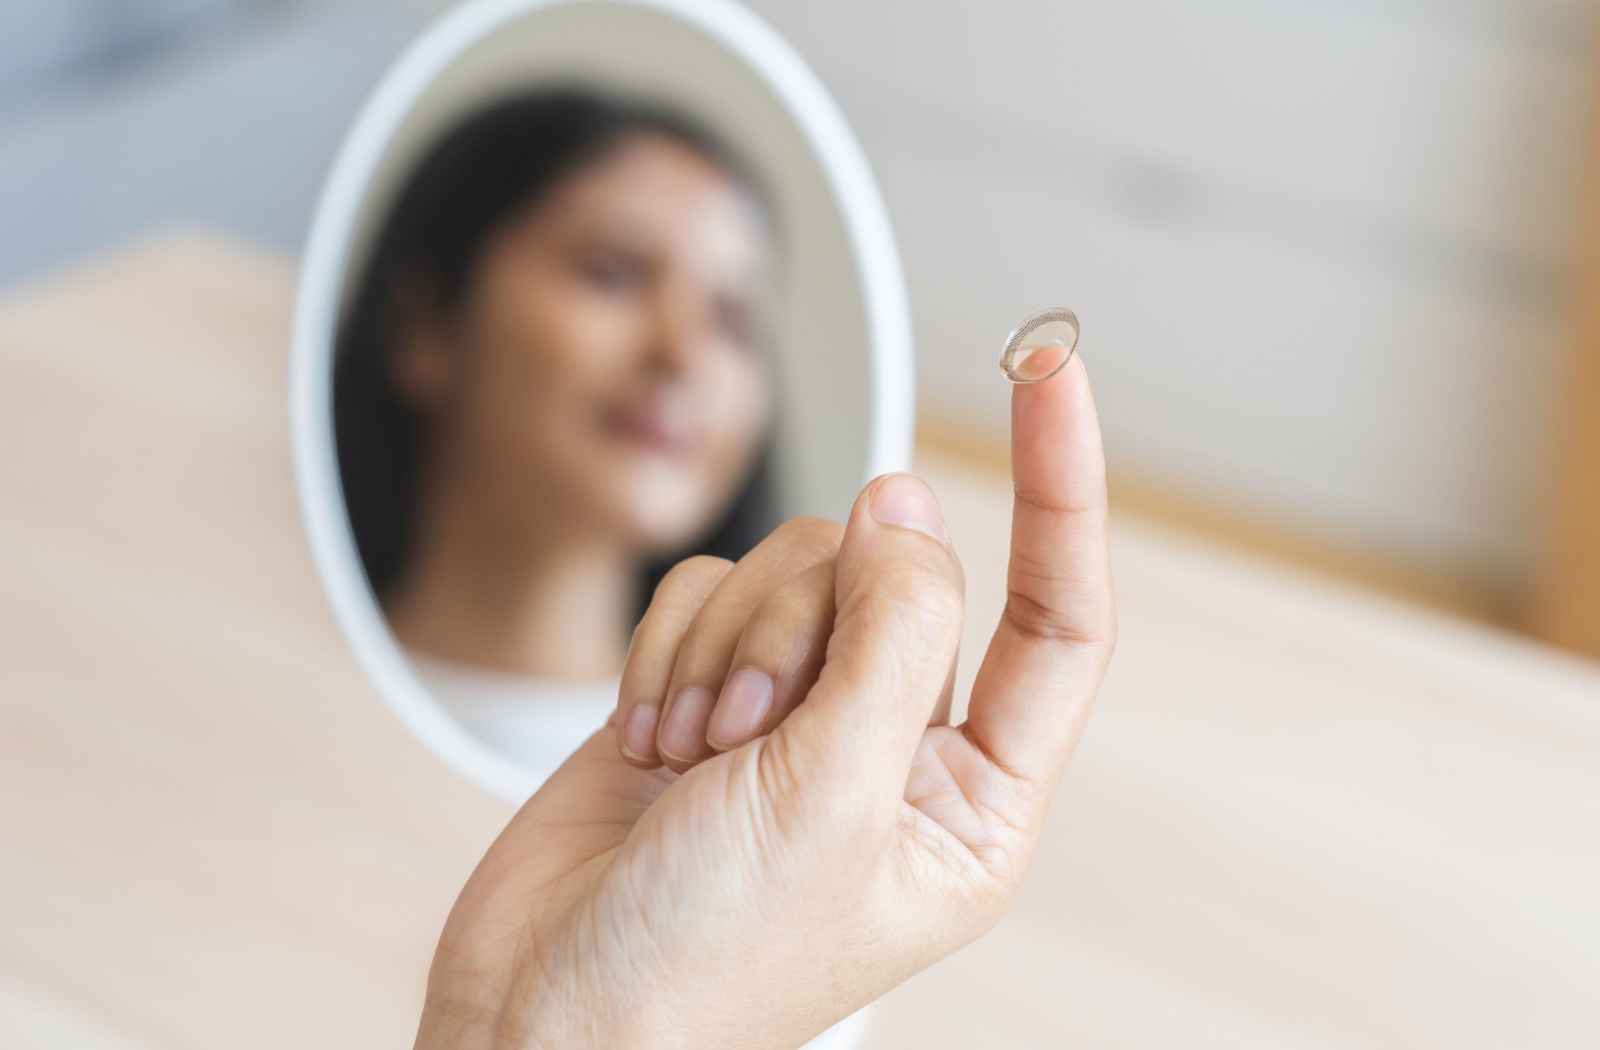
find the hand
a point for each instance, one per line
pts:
(777, 886)
(726, 651)
(770, 615)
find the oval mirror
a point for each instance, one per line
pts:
(593, 286)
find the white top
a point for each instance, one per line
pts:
(534, 722)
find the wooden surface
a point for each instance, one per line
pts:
(1303, 815)
(1564, 604)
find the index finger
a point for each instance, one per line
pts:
(1043, 667)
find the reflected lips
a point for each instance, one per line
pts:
(649, 422)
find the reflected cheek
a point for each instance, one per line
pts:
(574, 331)
(742, 415)
(576, 340)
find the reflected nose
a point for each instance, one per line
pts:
(675, 334)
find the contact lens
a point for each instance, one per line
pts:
(1040, 345)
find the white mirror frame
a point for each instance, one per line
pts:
(329, 248)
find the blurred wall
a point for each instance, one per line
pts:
(1321, 248)
(119, 116)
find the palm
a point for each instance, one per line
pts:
(958, 814)
(594, 800)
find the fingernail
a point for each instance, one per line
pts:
(903, 500)
(741, 710)
(684, 735)
(639, 732)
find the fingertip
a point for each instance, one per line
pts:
(681, 740)
(902, 501)
(741, 710)
(905, 500)
(1070, 384)
(883, 535)
(1057, 454)
(637, 738)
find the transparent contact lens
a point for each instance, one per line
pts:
(1040, 345)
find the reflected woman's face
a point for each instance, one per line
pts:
(604, 372)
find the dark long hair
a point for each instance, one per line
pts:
(497, 162)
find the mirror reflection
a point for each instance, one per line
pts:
(553, 381)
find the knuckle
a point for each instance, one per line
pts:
(812, 532)
(782, 630)
(697, 567)
(678, 594)
(692, 574)
(1071, 618)
(804, 596)
(1045, 603)
(916, 597)
(934, 594)
(786, 610)
(1036, 500)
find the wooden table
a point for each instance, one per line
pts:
(1302, 816)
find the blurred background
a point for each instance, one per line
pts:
(1329, 255)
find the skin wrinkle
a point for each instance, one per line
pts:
(642, 897)
(455, 1007)
(1023, 491)
(794, 662)
(1059, 614)
(769, 836)
(984, 797)
(786, 607)
(1033, 620)
(922, 609)
(581, 947)
(938, 842)
(991, 831)
(1085, 578)
(512, 1022)
(922, 592)
(511, 1026)
(969, 915)
(779, 757)
(516, 1015)
(819, 536)
(773, 771)
(588, 1013)
(966, 730)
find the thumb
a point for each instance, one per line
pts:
(896, 630)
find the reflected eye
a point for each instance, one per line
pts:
(736, 321)
(614, 272)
